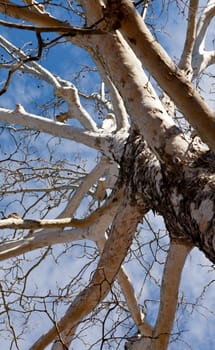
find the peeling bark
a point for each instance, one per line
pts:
(189, 213)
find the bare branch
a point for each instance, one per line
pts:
(129, 294)
(113, 254)
(147, 162)
(27, 65)
(90, 179)
(169, 294)
(63, 89)
(70, 94)
(207, 15)
(22, 62)
(143, 105)
(117, 101)
(67, 29)
(170, 78)
(118, 105)
(92, 226)
(201, 57)
(186, 57)
(24, 13)
(38, 240)
(20, 116)
(18, 223)
(35, 6)
(128, 291)
(31, 67)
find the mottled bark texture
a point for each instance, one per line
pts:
(184, 195)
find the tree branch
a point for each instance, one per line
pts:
(116, 99)
(146, 111)
(169, 294)
(27, 224)
(75, 201)
(113, 254)
(63, 89)
(23, 61)
(24, 13)
(90, 227)
(88, 182)
(70, 94)
(35, 6)
(202, 58)
(66, 29)
(29, 66)
(130, 298)
(159, 64)
(97, 140)
(38, 240)
(207, 15)
(186, 57)
(128, 291)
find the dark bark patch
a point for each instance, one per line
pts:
(132, 41)
(179, 194)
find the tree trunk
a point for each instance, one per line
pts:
(183, 195)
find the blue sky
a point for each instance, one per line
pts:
(196, 322)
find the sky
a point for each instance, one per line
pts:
(194, 328)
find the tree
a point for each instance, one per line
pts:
(155, 154)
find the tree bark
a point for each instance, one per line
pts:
(188, 212)
(167, 74)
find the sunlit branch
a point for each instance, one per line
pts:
(68, 30)
(112, 256)
(24, 13)
(174, 264)
(65, 90)
(76, 199)
(118, 105)
(32, 67)
(123, 279)
(41, 73)
(19, 223)
(102, 90)
(99, 98)
(38, 240)
(70, 94)
(49, 237)
(129, 294)
(144, 9)
(204, 21)
(201, 57)
(116, 100)
(35, 6)
(15, 67)
(84, 187)
(141, 100)
(186, 57)
(170, 78)
(28, 224)
(19, 116)
(137, 315)
(89, 228)
(36, 189)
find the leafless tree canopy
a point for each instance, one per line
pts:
(107, 173)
